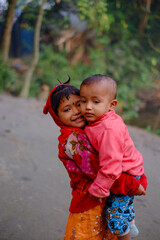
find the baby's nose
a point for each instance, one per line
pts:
(88, 105)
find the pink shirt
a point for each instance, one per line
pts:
(117, 153)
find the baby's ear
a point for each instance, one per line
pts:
(113, 104)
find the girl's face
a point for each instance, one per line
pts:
(69, 112)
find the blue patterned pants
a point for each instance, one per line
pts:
(119, 213)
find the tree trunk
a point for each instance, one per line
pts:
(28, 77)
(144, 20)
(6, 39)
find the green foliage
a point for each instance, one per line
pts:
(129, 64)
(51, 66)
(118, 49)
(95, 13)
(8, 78)
(80, 71)
(128, 102)
(34, 89)
(53, 21)
(149, 128)
(130, 73)
(156, 131)
(29, 15)
(54, 66)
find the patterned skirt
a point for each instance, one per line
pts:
(88, 225)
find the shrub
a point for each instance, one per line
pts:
(8, 78)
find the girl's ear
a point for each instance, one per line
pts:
(113, 104)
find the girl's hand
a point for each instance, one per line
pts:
(140, 191)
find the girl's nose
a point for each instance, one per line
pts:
(76, 110)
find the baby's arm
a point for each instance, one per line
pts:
(140, 190)
(143, 186)
(129, 185)
(110, 148)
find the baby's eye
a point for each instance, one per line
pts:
(83, 101)
(96, 101)
(78, 105)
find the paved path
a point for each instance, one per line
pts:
(34, 186)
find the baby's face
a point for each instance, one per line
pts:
(69, 112)
(95, 101)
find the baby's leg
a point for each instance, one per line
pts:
(133, 230)
(124, 237)
(119, 213)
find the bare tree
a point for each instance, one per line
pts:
(7, 29)
(31, 68)
(146, 11)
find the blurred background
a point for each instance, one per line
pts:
(42, 42)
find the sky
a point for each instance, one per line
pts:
(2, 1)
(4, 4)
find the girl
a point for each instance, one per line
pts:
(87, 213)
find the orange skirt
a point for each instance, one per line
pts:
(87, 225)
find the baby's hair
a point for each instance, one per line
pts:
(99, 77)
(62, 91)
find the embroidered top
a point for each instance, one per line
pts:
(78, 158)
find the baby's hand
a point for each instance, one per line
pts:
(140, 191)
(98, 199)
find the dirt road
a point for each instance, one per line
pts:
(34, 186)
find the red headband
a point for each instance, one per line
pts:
(48, 108)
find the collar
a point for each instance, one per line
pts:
(104, 116)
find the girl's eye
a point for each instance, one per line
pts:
(78, 105)
(96, 101)
(66, 110)
(83, 101)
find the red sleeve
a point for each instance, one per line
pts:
(128, 185)
(143, 181)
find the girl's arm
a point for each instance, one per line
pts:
(85, 157)
(83, 154)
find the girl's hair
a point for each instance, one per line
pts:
(61, 92)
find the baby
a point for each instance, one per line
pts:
(110, 137)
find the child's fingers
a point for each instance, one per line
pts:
(144, 192)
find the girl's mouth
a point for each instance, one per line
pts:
(79, 119)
